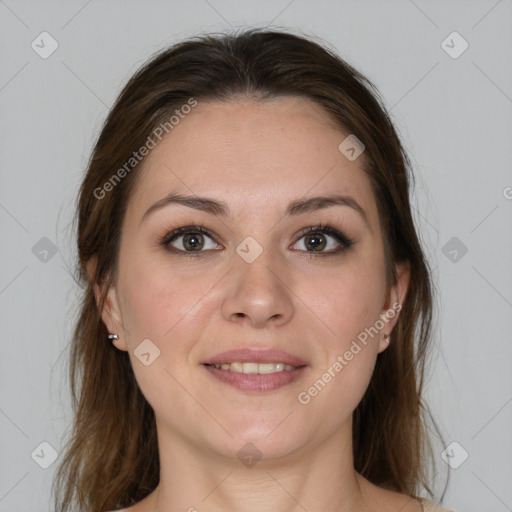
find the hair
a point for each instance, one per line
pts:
(111, 457)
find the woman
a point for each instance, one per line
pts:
(253, 283)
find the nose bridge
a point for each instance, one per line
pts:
(258, 290)
(258, 265)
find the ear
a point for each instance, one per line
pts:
(394, 300)
(111, 314)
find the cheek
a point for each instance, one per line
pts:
(349, 303)
(351, 299)
(349, 306)
(159, 303)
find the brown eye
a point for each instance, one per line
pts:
(189, 239)
(318, 239)
(193, 241)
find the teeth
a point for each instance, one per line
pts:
(252, 368)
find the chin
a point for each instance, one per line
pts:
(260, 440)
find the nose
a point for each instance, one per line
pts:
(257, 293)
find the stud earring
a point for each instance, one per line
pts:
(112, 337)
(387, 338)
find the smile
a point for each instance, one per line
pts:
(255, 377)
(252, 368)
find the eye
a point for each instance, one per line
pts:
(189, 239)
(316, 239)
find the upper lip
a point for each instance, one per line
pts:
(247, 355)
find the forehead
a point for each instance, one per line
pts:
(252, 154)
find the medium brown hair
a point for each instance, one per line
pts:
(111, 457)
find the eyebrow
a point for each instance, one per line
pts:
(219, 208)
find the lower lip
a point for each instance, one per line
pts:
(255, 382)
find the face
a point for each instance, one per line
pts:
(252, 279)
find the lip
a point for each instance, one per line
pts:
(256, 383)
(247, 355)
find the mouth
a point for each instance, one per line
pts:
(253, 368)
(256, 371)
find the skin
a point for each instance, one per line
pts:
(257, 157)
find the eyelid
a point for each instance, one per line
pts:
(180, 231)
(173, 233)
(345, 241)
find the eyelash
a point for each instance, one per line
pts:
(340, 237)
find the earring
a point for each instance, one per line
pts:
(387, 338)
(112, 337)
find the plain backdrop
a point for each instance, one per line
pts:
(452, 106)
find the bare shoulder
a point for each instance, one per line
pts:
(146, 505)
(134, 508)
(384, 500)
(397, 502)
(428, 506)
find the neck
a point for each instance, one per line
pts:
(194, 478)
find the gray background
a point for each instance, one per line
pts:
(454, 114)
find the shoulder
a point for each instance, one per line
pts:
(428, 506)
